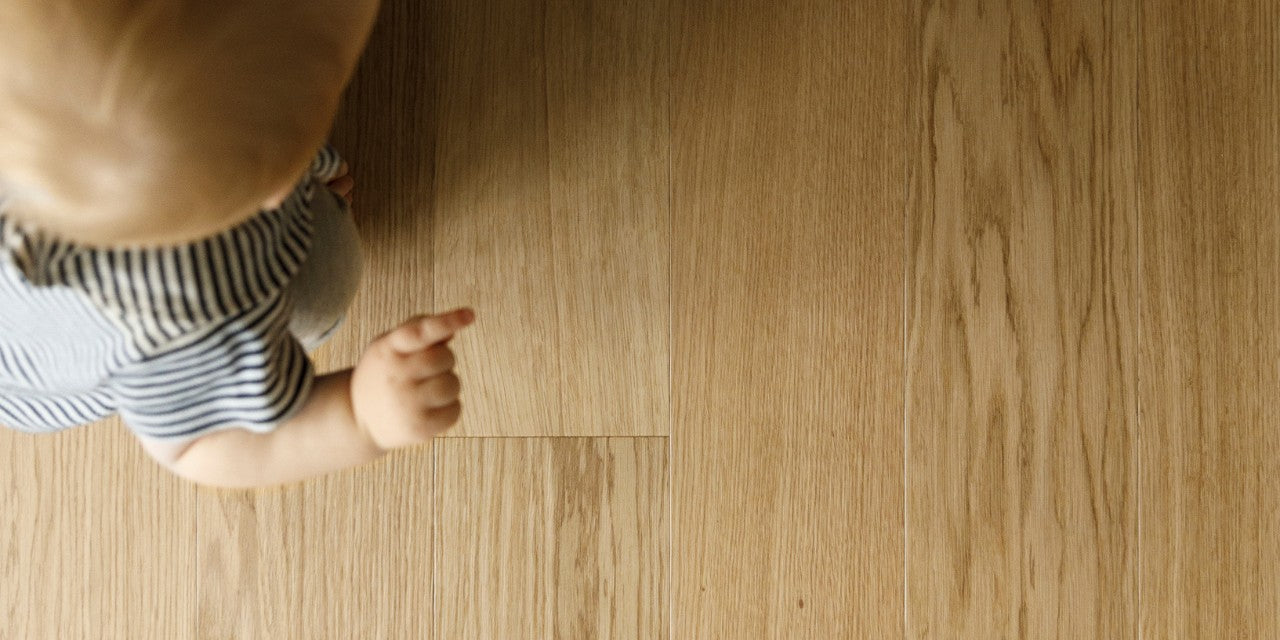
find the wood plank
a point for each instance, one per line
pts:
(608, 76)
(1021, 382)
(789, 167)
(551, 538)
(350, 551)
(492, 233)
(1210, 276)
(81, 552)
(551, 212)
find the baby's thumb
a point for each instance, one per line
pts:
(424, 331)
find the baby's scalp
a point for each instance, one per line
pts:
(133, 122)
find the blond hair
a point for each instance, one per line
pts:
(121, 117)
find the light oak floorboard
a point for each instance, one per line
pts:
(551, 538)
(493, 225)
(1021, 323)
(609, 150)
(82, 553)
(346, 554)
(551, 212)
(789, 171)
(1210, 354)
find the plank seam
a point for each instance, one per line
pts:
(912, 136)
(547, 437)
(670, 577)
(1138, 56)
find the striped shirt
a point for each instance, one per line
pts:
(179, 340)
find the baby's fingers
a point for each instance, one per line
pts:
(428, 363)
(444, 417)
(424, 331)
(441, 390)
(342, 186)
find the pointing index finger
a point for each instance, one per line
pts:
(426, 331)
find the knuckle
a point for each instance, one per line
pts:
(413, 325)
(441, 358)
(435, 420)
(447, 386)
(403, 388)
(384, 345)
(448, 415)
(422, 426)
(407, 331)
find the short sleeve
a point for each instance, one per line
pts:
(247, 371)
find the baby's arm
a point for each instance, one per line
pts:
(401, 393)
(322, 437)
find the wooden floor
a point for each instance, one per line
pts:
(818, 319)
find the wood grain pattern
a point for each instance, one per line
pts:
(1021, 328)
(81, 552)
(1210, 277)
(346, 554)
(789, 166)
(493, 222)
(551, 538)
(551, 212)
(609, 150)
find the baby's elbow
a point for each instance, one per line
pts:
(233, 458)
(165, 452)
(189, 460)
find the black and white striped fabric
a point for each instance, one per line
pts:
(179, 340)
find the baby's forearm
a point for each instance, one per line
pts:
(321, 438)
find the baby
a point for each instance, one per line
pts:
(175, 235)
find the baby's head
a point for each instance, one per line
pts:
(157, 121)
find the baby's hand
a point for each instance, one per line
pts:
(342, 183)
(404, 391)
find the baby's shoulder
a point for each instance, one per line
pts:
(161, 294)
